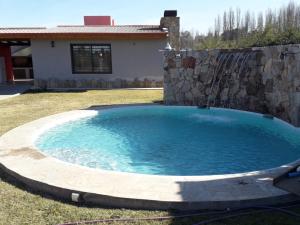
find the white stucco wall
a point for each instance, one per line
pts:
(130, 59)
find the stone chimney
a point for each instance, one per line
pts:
(172, 23)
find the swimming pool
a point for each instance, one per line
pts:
(173, 140)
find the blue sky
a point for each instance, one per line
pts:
(195, 14)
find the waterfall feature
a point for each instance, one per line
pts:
(228, 68)
(265, 80)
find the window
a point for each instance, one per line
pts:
(90, 58)
(20, 61)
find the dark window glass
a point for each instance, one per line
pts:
(91, 58)
(31, 73)
(21, 61)
(19, 74)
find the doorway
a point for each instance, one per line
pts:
(22, 62)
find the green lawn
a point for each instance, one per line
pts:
(18, 206)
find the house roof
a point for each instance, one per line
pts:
(84, 32)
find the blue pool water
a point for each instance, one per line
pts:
(174, 140)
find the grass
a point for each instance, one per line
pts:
(18, 206)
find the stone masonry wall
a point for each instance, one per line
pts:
(54, 83)
(173, 25)
(264, 80)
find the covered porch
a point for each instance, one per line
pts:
(15, 61)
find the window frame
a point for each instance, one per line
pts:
(91, 45)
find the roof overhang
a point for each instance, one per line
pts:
(81, 36)
(14, 42)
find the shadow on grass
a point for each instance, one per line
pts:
(11, 180)
(7, 178)
(39, 91)
(158, 102)
(176, 217)
(78, 90)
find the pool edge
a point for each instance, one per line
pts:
(272, 196)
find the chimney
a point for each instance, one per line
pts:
(172, 22)
(97, 21)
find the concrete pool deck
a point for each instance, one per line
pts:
(21, 159)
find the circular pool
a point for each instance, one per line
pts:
(173, 140)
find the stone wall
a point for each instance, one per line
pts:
(53, 83)
(265, 80)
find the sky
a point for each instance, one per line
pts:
(196, 15)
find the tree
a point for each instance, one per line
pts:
(247, 22)
(260, 22)
(186, 40)
(217, 26)
(234, 30)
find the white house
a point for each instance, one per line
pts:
(97, 54)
